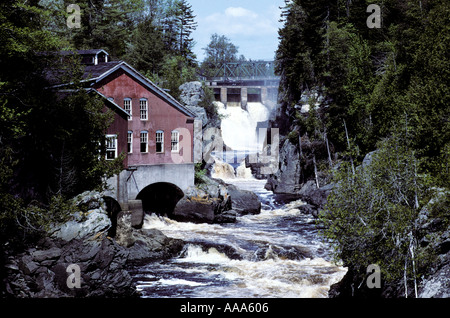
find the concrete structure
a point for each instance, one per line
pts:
(238, 83)
(130, 183)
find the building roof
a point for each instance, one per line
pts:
(94, 73)
(110, 103)
(113, 105)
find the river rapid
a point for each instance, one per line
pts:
(275, 254)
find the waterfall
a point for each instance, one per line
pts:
(240, 132)
(225, 171)
(239, 127)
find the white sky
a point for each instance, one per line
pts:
(252, 25)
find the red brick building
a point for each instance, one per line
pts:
(160, 130)
(152, 128)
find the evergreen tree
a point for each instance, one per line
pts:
(105, 24)
(186, 25)
(146, 49)
(49, 142)
(220, 50)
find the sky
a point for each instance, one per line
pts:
(251, 25)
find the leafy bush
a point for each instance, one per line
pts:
(199, 174)
(370, 217)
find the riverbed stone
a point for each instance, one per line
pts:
(53, 253)
(244, 201)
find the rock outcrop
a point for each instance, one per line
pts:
(287, 177)
(215, 202)
(83, 243)
(144, 245)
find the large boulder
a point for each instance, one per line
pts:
(144, 245)
(203, 205)
(83, 225)
(191, 93)
(316, 197)
(43, 271)
(91, 220)
(244, 201)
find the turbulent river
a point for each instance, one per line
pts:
(275, 254)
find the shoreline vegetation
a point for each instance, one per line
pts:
(365, 140)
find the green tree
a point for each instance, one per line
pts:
(49, 141)
(370, 216)
(186, 25)
(220, 50)
(176, 71)
(146, 50)
(105, 24)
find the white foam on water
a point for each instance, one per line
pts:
(239, 126)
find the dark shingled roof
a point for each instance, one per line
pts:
(94, 71)
(57, 76)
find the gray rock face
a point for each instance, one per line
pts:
(200, 113)
(202, 205)
(83, 225)
(93, 221)
(144, 244)
(437, 285)
(42, 271)
(243, 201)
(215, 202)
(286, 179)
(191, 93)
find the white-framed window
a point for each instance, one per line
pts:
(127, 105)
(175, 144)
(111, 147)
(144, 141)
(159, 141)
(130, 141)
(143, 106)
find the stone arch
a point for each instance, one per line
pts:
(160, 198)
(113, 208)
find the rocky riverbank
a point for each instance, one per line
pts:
(214, 201)
(104, 250)
(433, 233)
(43, 270)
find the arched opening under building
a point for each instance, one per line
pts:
(113, 208)
(160, 198)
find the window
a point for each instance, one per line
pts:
(160, 141)
(111, 147)
(127, 106)
(144, 141)
(175, 141)
(130, 142)
(143, 105)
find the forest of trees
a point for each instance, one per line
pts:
(47, 157)
(383, 89)
(49, 143)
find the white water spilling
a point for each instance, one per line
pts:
(276, 253)
(239, 127)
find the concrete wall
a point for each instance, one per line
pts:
(181, 175)
(127, 185)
